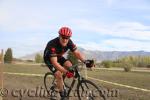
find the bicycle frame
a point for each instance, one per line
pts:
(76, 77)
(80, 84)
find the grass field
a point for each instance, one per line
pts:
(136, 79)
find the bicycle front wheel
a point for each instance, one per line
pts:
(87, 90)
(49, 82)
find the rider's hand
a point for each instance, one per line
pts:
(70, 74)
(89, 63)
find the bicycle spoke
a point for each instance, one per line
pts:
(86, 85)
(50, 85)
(82, 87)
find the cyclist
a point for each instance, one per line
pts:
(53, 56)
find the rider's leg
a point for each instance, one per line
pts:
(67, 64)
(64, 62)
(59, 80)
(60, 84)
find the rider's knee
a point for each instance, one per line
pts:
(68, 63)
(58, 75)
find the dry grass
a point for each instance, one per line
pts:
(137, 79)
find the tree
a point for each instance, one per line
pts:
(72, 58)
(38, 58)
(127, 63)
(8, 57)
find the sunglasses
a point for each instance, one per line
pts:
(64, 37)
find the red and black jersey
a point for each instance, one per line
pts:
(55, 49)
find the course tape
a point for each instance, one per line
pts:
(24, 74)
(127, 86)
(121, 69)
(122, 85)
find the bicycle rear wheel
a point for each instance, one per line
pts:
(87, 90)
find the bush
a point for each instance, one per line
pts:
(97, 64)
(72, 58)
(127, 67)
(38, 58)
(117, 64)
(29, 60)
(148, 66)
(107, 64)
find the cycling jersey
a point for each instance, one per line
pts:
(55, 49)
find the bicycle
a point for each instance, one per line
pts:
(82, 88)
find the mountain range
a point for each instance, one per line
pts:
(97, 55)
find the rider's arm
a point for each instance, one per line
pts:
(57, 65)
(79, 55)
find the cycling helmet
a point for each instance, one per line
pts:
(65, 31)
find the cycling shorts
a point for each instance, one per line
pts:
(61, 61)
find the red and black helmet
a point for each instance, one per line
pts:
(65, 31)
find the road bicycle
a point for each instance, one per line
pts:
(85, 89)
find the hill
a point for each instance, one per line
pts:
(98, 55)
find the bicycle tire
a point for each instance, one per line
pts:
(94, 92)
(48, 81)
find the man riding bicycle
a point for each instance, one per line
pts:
(53, 57)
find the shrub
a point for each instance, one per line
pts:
(127, 67)
(148, 66)
(38, 58)
(107, 64)
(29, 60)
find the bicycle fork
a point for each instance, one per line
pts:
(72, 84)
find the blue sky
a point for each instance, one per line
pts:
(107, 25)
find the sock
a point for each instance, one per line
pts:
(63, 93)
